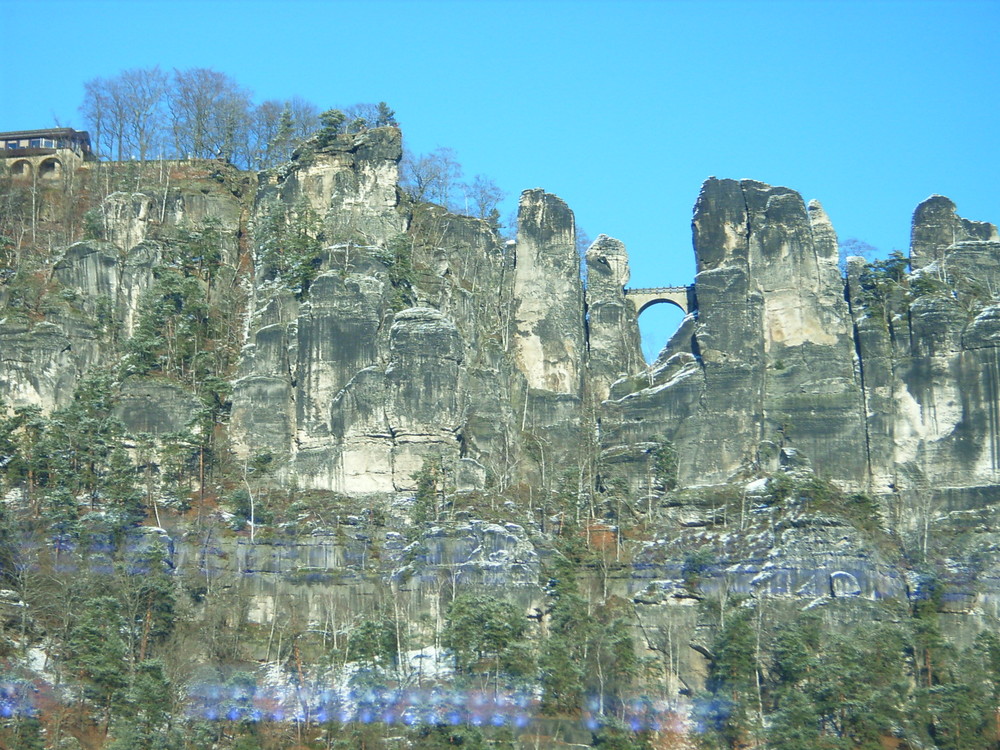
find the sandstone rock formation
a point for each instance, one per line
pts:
(548, 296)
(768, 362)
(815, 434)
(613, 346)
(928, 346)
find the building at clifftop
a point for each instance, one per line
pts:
(44, 154)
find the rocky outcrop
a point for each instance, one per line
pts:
(360, 417)
(548, 333)
(108, 280)
(928, 348)
(404, 415)
(126, 218)
(768, 362)
(548, 296)
(937, 226)
(156, 408)
(389, 344)
(37, 366)
(613, 346)
(351, 182)
(356, 394)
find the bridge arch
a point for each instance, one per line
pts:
(642, 299)
(21, 169)
(50, 169)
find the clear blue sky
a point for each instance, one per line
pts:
(621, 108)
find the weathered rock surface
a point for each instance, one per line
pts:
(548, 331)
(769, 358)
(337, 571)
(126, 218)
(928, 349)
(937, 226)
(548, 296)
(156, 408)
(36, 364)
(109, 280)
(415, 339)
(613, 346)
(351, 183)
(355, 393)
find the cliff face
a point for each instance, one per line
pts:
(68, 314)
(397, 356)
(613, 347)
(380, 335)
(483, 368)
(767, 363)
(928, 349)
(891, 392)
(361, 342)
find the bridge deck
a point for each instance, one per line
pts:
(644, 297)
(656, 290)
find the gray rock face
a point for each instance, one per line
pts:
(769, 358)
(126, 218)
(548, 331)
(357, 398)
(363, 419)
(893, 393)
(97, 285)
(614, 349)
(351, 183)
(548, 295)
(105, 275)
(356, 394)
(36, 365)
(936, 227)
(155, 408)
(327, 575)
(928, 347)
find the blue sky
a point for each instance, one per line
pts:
(621, 108)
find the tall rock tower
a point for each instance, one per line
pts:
(613, 345)
(548, 339)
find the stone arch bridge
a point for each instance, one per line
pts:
(681, 296)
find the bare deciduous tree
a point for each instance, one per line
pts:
(104, 108)
(484, 195)
(198, 112)
(305, 118)
(208, 112)
(268, 128)
(142, 91)
(125, 113)
(432, 177)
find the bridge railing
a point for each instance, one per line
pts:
(656, 290)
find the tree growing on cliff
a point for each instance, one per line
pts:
(288, 245)
(96, 653)
(208, 112)
(366, 115)
(483, 632)
(331, 124)
(431, 177)
(484, 195)
(198, 112)
(269, 134)
(126, 114)
(104, 110)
